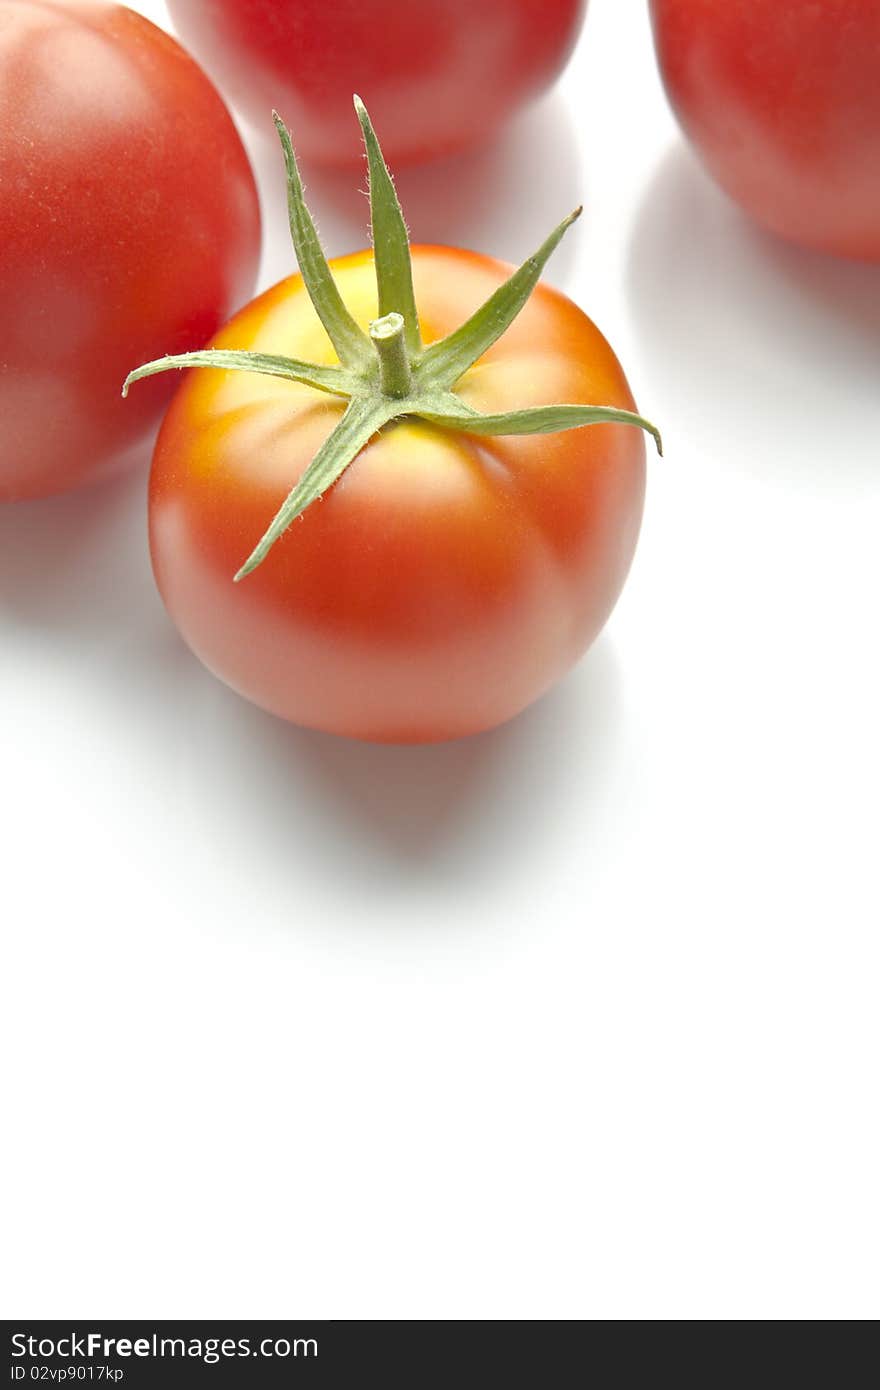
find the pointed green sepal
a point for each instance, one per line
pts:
(361, 421)
(335, 380)
(449, 359)
(539, 419)
(390, 239)
(351, 343)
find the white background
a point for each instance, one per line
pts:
(577, 1019)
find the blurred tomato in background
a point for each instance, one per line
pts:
(437, 75)
(781, 99)
(129, 227)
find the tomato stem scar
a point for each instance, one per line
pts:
(389, 337)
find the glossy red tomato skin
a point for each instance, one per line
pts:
(443, 583)
(129, 227)
(782, 103)
(436, 75)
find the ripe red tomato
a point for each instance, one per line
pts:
(444, 582)
(782, 102)
(424, 553)
(128, 222)
(438, 75)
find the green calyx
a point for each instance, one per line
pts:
(388, 374)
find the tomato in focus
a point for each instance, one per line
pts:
(445, 581)
(129, 226)
(438, 75)
(782, 103)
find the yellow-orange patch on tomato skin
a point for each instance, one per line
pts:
(444, 582)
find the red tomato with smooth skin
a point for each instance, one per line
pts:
(444, 581)
(781, 99)
(129, 222)
(438, 75)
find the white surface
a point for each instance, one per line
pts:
(575, 1020)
